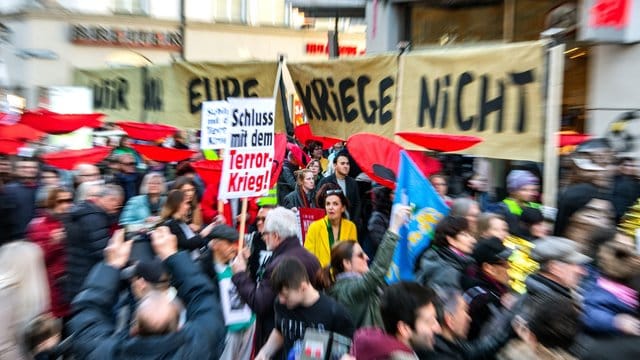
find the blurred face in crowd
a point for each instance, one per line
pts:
(567, 274)
(183, 210)
(224, 250)
(478, 183)
(334, 207)
(472, 217)
(292, 298)
(309, 182)
(64, 202)
(358, 261)
(459, 320)
(49, 178)
(88, 173)
(111, 204)
(463, 241)
(440, 184)
(271, 239)
(337, 147)
(527, 193)
(342, 166)
(629, 167)
(425, 329)
(497, 271)
(5, 166)
(498, 228)
(154, 185)
(26, 169)
(317, 152)
(127, 164)
(597, 213)
(262, 214)
(539, 230)
(314, 166)
(189, 192)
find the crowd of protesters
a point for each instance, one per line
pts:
(113, 262)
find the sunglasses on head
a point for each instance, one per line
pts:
(334, 192)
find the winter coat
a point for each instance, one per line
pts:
(360, 294)
(88, 233)
(317, 240)
(201, 337)
(260, 296)
(484, 298)
(375, 344)
(353, 195)
(185, 242)
(136, 210)
(294, 199)
(600, 308)
(286, 181)
(130, 183)
(519, 350)
(8, 220)
(25, 205)
(39, 232)
(442, 267)
(481, 349)
(377, 226)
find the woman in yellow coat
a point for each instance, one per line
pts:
(334, 227)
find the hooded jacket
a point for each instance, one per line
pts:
(442, 267)
(375, 344)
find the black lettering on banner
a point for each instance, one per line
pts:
(385, 84)
(444, 114)
(199, 90)
(463, 124)
(426, 103)
(347, 100)
(111, 94)
(521, 79)
(153, 94)
(369, 118)
(334, 97)
(322, 98)
(489, 106)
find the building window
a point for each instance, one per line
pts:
(131, 7)
(228, 11)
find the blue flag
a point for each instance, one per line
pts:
(428, 208)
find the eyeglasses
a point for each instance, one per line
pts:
(128, 163)
(334, 192)
(63, 201)
(361, 255)
(260, 218)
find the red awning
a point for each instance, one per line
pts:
(68, 159)
(54, 123)
(144, 131)
(163, 154)
(440, 142)
(571, 138)
(303, 134)
(10, 146)
(379, 157)
(20, 132)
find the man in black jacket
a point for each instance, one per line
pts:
(156, 335)
(92, 223)
(349, 186)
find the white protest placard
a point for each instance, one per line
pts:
(215, 122)
(246, 167)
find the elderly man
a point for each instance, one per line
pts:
(24, 190)
(280, 235)
(86, 172)
(92, 224)
(155, 335)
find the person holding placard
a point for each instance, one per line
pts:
(334, 227)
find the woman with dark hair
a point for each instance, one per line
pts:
(334, 227)
(379, 220)
(444, 262)
(304, 193)
(349, 280)
(47, 231)
(174, 214)
(193, 218)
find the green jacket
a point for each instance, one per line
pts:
(360, 294)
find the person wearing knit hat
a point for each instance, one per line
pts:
(523, 187)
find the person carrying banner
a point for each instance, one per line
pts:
(349, 280)
(334, 227)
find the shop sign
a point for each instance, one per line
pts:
(97, 35)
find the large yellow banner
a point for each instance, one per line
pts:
(494, 92)
(346, 96)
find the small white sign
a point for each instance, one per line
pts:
(214, 126)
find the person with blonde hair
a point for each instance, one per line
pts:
(24, 294)
(304, 192)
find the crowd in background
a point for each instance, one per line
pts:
(117, 262)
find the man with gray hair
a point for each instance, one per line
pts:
(280, 235)
(92, 224)
(468, 209)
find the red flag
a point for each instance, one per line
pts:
(610, 13)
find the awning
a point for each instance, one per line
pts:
(163, 154)
(144, 131)
(54, 123)
(68, 159)
(440, 142)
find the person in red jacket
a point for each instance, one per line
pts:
(47, 231)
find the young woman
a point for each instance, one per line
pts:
(145, 208)
(193, 218)
(316, 168)
(304, 193)
(324, 233)
(349, 280)
(449, 256)
(47, 231)
(174, 215)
